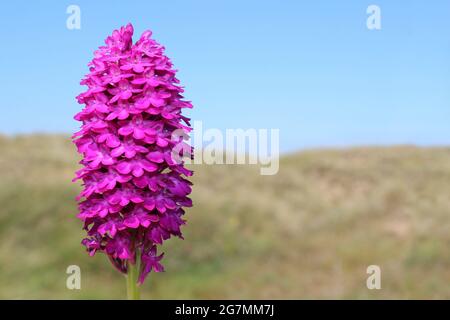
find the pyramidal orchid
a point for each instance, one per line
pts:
(134, 189)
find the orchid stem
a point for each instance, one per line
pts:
(132, 277)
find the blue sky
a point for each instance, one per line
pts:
(310, 68)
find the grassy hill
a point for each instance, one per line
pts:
(308, 232)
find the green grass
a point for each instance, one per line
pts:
(308, 232)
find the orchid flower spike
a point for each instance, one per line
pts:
(134, 191)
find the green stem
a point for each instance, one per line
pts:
(132, 277)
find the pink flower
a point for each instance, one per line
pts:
(134, 193)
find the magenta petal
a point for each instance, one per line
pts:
(137, 171)
(149, 204)
(126, 94)
(117, 151)
(124, 167)
(154, 82)
(131, 222)
(148, 166)
(112, 141)
(136, 199)
(99, 125)
(123, 114)
(125, 131)
(167, 115)
(102, 108)
(130, 153)
(107, 161)
(138, 133)
(126, 67)
(138, 68)
(155, 156)
(160, 206)
(169, 203)
(115, 98)
(157, 102)
(111, 116)
(145, 223)
(124, 201)
(161, 142)
(139, 81)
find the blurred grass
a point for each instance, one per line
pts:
(308, 232)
